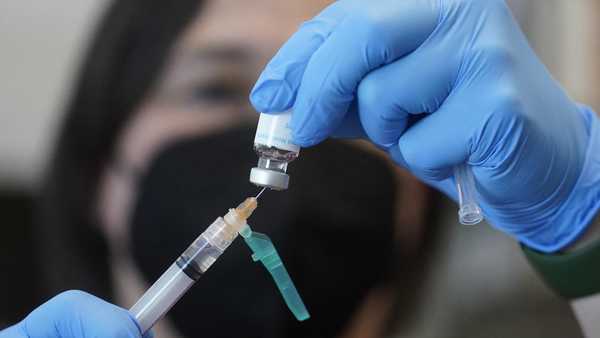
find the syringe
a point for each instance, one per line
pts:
(469, 212)
(188, 268)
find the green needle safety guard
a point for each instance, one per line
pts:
(265, 252)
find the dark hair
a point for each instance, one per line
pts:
(126, 55)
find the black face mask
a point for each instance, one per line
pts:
(332, 228)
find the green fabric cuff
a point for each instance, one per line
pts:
(572, 275)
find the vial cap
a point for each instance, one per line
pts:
(271, 179)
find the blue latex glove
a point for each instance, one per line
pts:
(438, 83)
(74, 314)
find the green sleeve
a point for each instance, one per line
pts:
(572, 275)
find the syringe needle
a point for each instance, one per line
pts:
(260, 193)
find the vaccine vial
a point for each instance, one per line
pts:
(274, 147)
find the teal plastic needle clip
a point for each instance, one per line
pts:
(265, 252)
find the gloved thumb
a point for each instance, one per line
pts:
(434, 145)
(408, 86)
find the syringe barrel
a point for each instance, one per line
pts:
(469, 212)
(161, 297)
(182, 274)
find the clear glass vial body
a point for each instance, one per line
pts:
(273, 158)
(275, 149)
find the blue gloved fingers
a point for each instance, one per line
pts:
(407, 86)
(15, 331)
(276, 87)
(534, 158)
(362, 42)
(350, 127)
(435, 144)
(446, 185)
(79, 314)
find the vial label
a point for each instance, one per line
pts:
(274, 131)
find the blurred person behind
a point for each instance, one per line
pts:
(157, 142)
(487, 249)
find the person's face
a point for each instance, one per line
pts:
(204, 89)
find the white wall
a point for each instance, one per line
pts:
(580, 50)
(565, 33)
(40, 43)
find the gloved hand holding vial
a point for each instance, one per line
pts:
(442, 84)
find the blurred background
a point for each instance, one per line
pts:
(472, 282)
